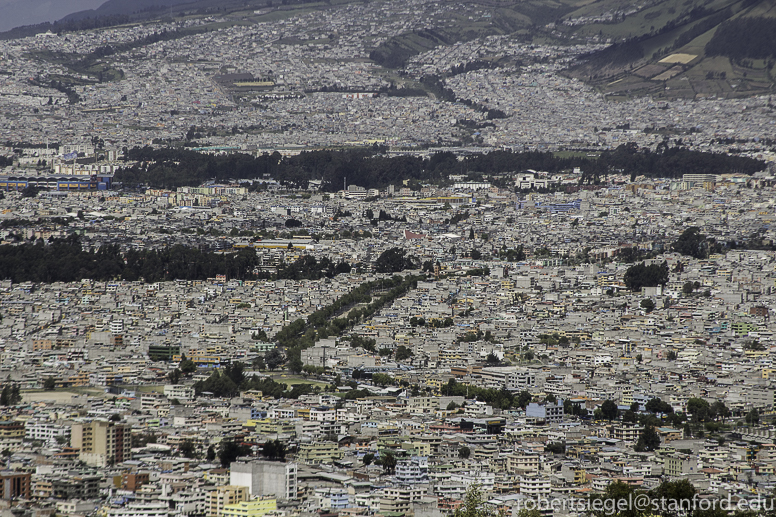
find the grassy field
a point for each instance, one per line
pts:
(59, 396)
(292, 380)
(150, 388)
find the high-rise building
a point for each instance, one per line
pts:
(266, 478)
(102, 443)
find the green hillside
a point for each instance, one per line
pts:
(671, 49)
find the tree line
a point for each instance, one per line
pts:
(332, 320)
(370, 168)
(65, 260)
(744, 38)
(502, 398)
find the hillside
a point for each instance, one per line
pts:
(663, 48)
(668, 49)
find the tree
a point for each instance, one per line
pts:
(693, 243)
(382, 379)
(648, 440)
(211, 454)
(274, 358)
(676, 495)
(174, 376)
(474, 504)
(555, 447)
(647, 304)
(402, 353)
(698, 408)
(259, 364)
(30, 191)
(464, 452)
(274, 449)
(523, 399)
(229, 451)
(188, 449)
(609, 410)
(753, 417)
(10, 395)
(393, 260)
(492, 359)
(719, 410)
(452, 406)
(688, 288)
(388, 462)
(50, 384)
(641, 275)
(368, 458)
(616, 495)
(656, 405)
(187, 365)
(629, 417)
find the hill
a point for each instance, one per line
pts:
(668, 49)
(663, 48)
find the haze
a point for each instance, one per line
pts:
(28, 12)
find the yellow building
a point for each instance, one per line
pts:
(11, 434)
(101, 443)
(223, 496)
(318, 452)
(255, 508)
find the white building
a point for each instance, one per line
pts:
(266, 478)
(46, 432)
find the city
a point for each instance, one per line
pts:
(268, 262)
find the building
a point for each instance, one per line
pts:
(102, 443)
(224, 496)
(254, 508)
(535, 486)
(700, 178)
(548, 412)
(75, 485)
(412, 471)
(400, 499)
(266, 478)
(47, 432)
(163, 352)
(11, 434)
(14, 485)
(140, 510)
(178, 391)
(318, 452)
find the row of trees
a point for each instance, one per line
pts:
(502, 398)
(64, 260)
(370, 168)
(330, 321)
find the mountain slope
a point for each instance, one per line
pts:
(673, 49)
(28, 12)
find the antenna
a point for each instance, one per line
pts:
(345, 183)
